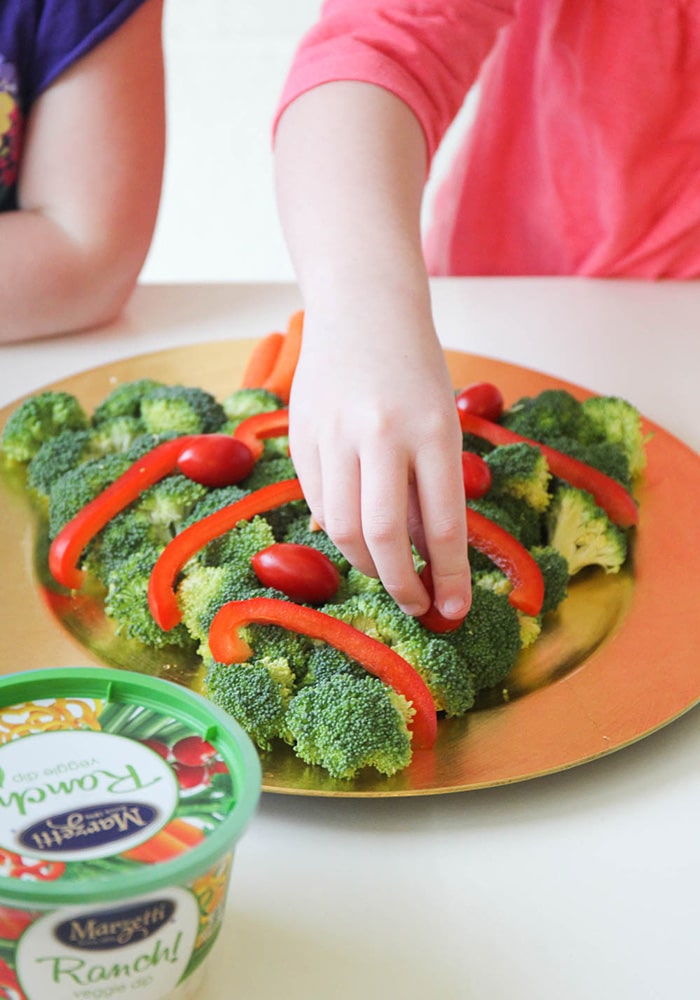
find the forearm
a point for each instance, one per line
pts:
(70, 255)
(373, 426)
(351, 166)
(51, 283)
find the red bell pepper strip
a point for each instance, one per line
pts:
(253, 430)
(527, 592)
(227, 646)
(617, 502)
(8, 978)
(70, 542)
(161, 586)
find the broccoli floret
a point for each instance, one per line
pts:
(216, 499)
(493, 579)
(200, 594)
(275, 470)
(145, 526)
(326, 661)
(520, 471)
(530, 625)
(488, 640)
(237, 546)
(273, 643)
(442, 668)
(375, 613)
(555, 573)
(169, 502)
(126, 602)
(59, 455)
(146, 442)
(124, 401)
(117, 435)
(123, 536)
(470, 442)
(359, 583)
(270, 470)
(583, 533)
(299, 532)
(204, 589)
(347, 723)
(255, 694)
(617, 421)
(530, 628)
(38, 419)
(552, 413)
(244, 403)
(183, 409)
(77, 487)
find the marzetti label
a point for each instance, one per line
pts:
(138, 949)
(73, 795)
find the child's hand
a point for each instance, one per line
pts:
(376, 443)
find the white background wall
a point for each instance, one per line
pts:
(226, 61)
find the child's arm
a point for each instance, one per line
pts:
(374, 431)
(89, 187)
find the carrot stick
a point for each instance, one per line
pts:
(280, 378)
(262, 360)
(161, 847)
(188, 833)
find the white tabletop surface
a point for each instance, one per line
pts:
(581, 885)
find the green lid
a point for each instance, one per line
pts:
(114, 784)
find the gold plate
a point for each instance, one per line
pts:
(617, 661)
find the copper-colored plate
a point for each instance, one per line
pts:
(618, 661)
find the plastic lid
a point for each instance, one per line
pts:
(114, 784)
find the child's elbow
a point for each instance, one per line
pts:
(108, 282)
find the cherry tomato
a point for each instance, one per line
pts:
(157, 747)
(299, 571)
(189, 776)
(193, 751)
(433, 619)
(483, 399)
(216, 460)
(476, 475)
(218, 767)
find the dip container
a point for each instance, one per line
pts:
(122, 798)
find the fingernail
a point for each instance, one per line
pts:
(454, 607)
(414, 610)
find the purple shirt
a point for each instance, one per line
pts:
(39, 39)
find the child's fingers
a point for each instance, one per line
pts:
(444, 527)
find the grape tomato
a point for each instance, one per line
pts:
(216, 460)
(476, 475)
(483, 399)
(303, 573)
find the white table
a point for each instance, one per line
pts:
(581, 885)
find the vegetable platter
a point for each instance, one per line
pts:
(610, 664)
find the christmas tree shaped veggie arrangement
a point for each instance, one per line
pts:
(204, 540)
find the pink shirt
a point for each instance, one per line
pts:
(584, 153)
